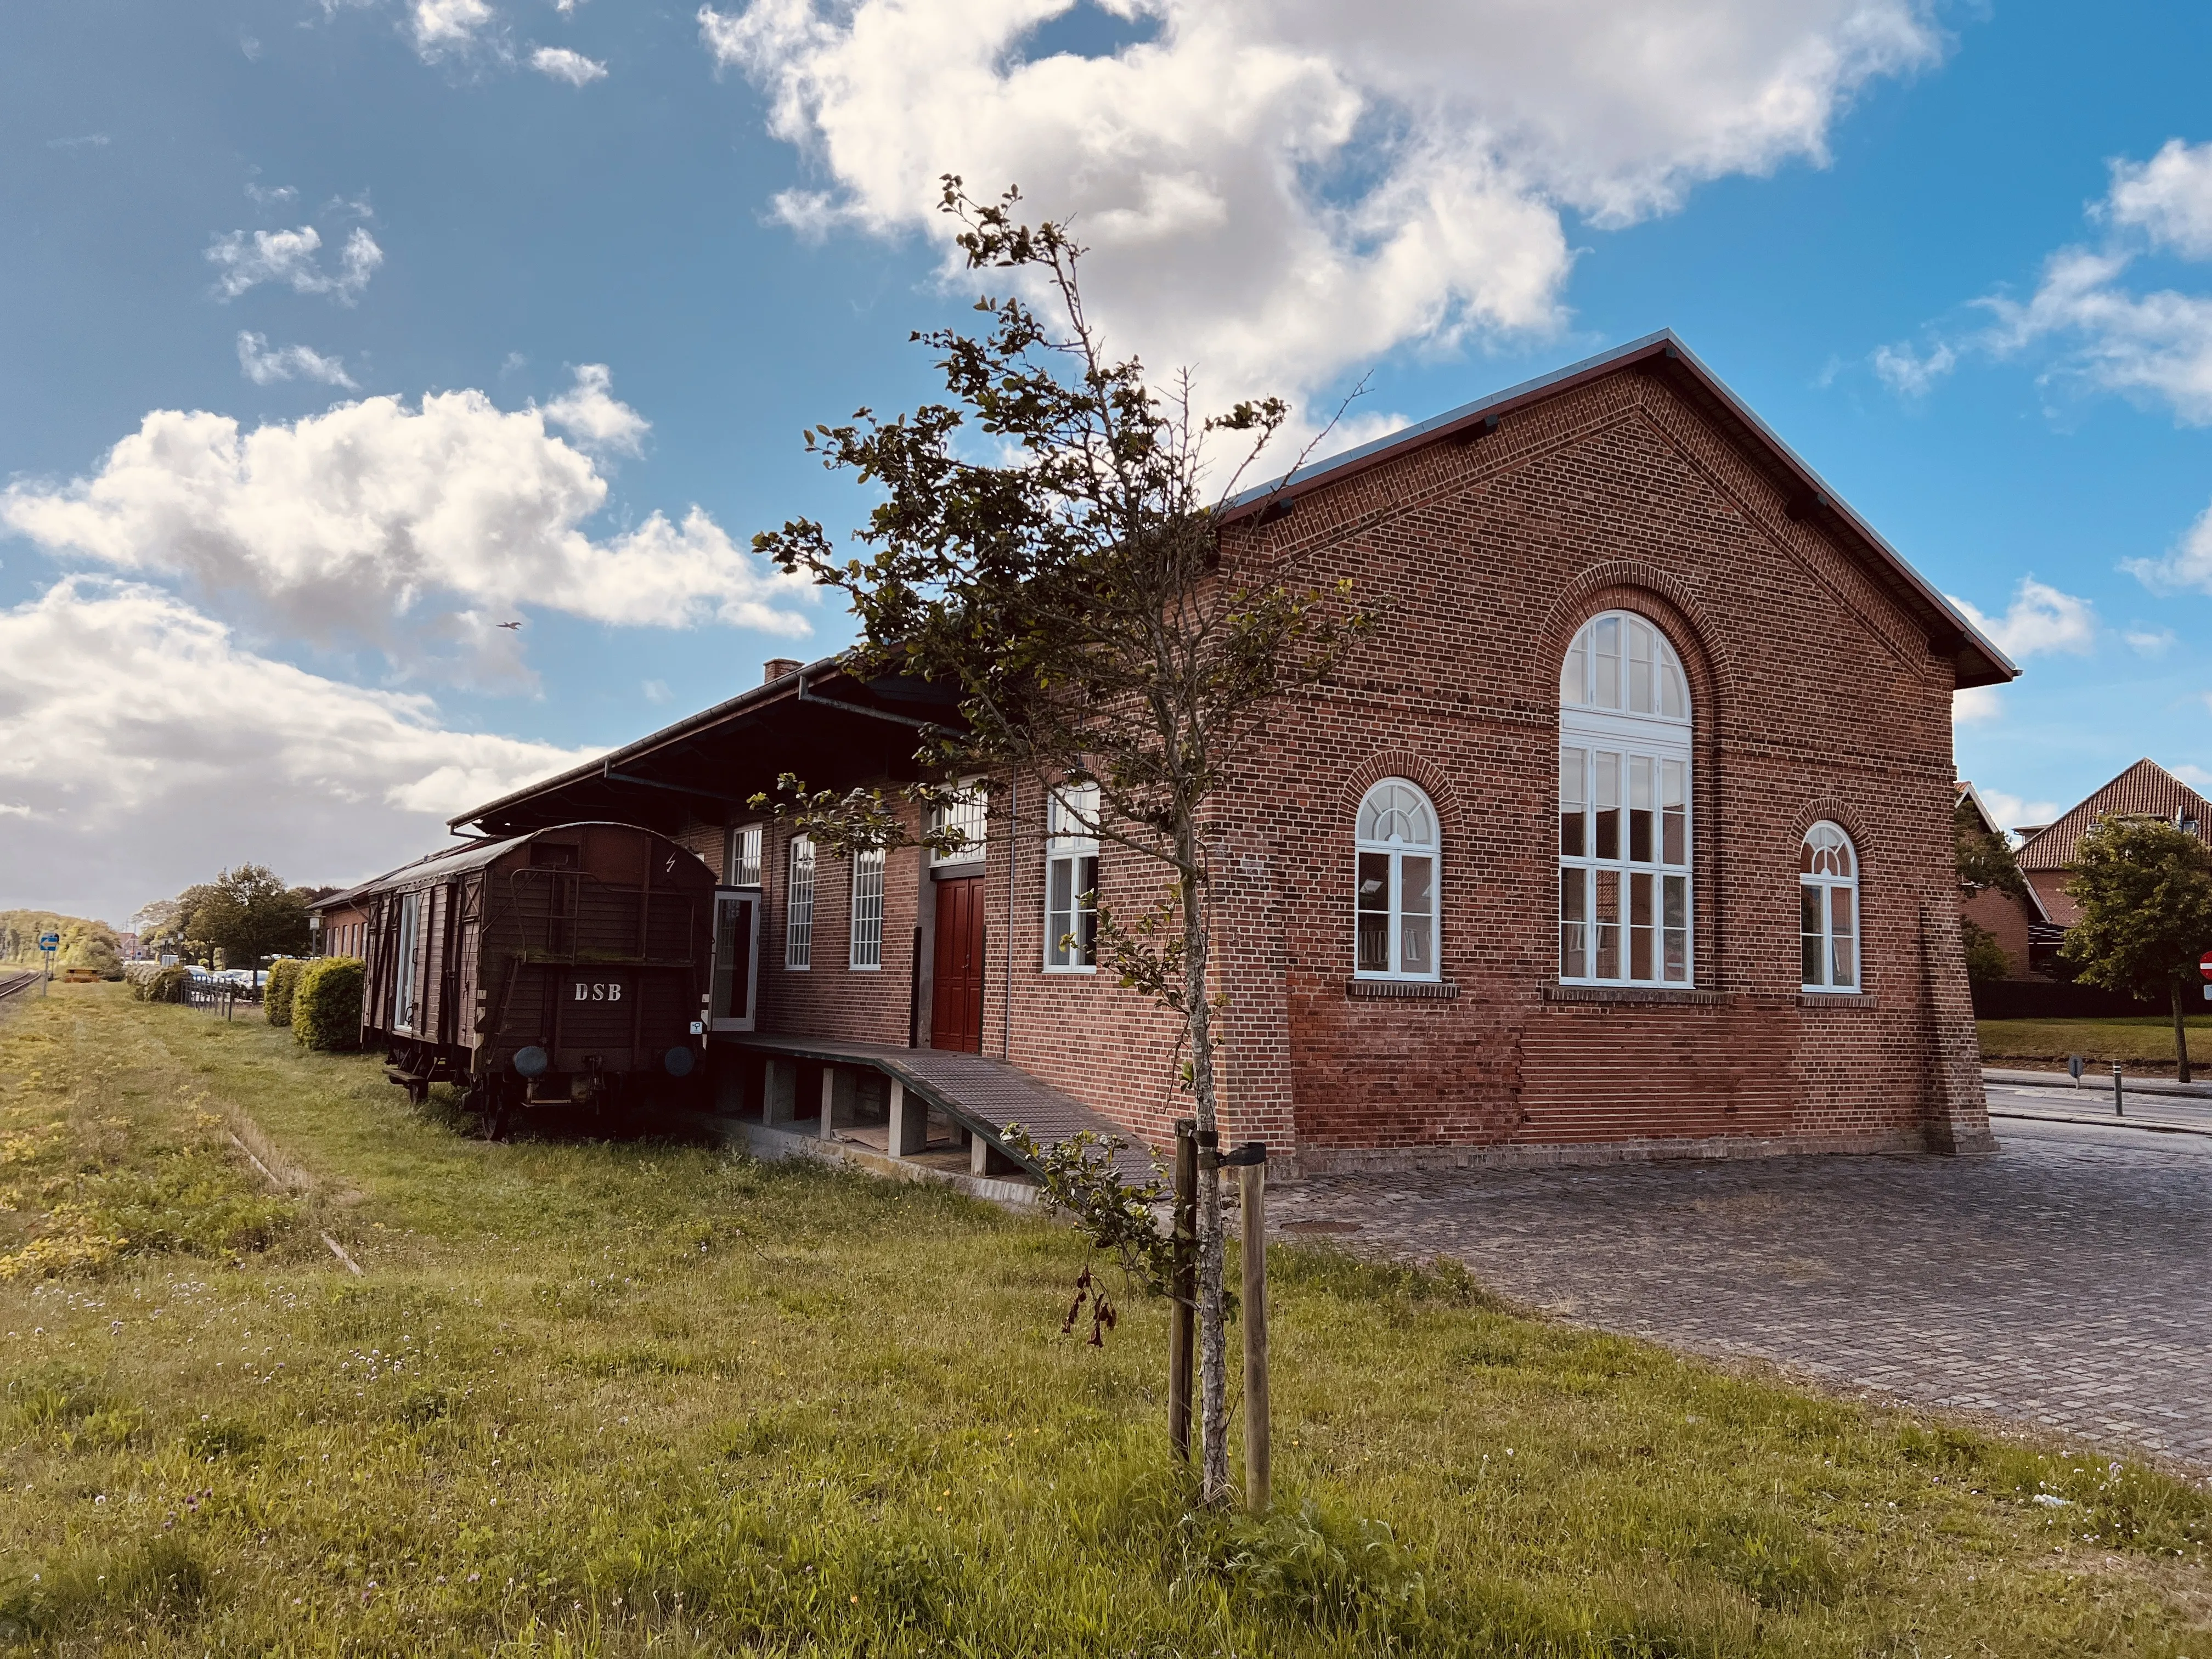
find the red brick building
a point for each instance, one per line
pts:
(1628, 835)
(2145, 790)
(2008, 921)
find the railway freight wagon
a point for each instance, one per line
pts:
(574, 966)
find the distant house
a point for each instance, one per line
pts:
(2008, 921)
(2145, 790)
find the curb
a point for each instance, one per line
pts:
(2102, 1082)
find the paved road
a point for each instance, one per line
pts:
(2066, 1281)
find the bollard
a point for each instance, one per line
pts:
(1252, 1177)
(2119, 1106)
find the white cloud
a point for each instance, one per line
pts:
(655, 690)
(1276, 189)
(281, 195)
(564, 64)
(1910, 373)
(2150, 641)
(2195, 776)
(264, 368)
(2168, 197)
(131, 791)
(2187, 566)
(2010, 811)
(2040, 619)
(1975, 704)
(591, 414)
(414, 529)
(14, 810)
(248, 257)
(87, 141)
(442, 25)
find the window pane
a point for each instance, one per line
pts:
(1374, 923)
(1674, 810)
(1843, 904)
(1673, 696)
(1640, 669)
(1812, 943)
(1574, 924)
(1574, 822)
(1059, 910)
(1574, 675)
(1086, 912)
(1640, 942)
(1417, 905)
(1605, 791)
(1608, 921)
(1640, 825)
(1675, 914)
(1606, 660)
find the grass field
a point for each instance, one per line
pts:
(2147, 1043)
(592, 1399)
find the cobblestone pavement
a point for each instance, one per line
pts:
(2065, 1282)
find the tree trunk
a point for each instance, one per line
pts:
(2180, 1034)
(1212, 1332)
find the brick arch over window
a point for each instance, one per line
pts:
(1831, 810)
(1435, 783)
(1652, 594)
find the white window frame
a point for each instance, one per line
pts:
(799, 907)
(1625, 724)
(1425, 843)
(1827, 885)
(410, 932)
(741, 860)
(865, 946)
(1071, 844)
(970, 815)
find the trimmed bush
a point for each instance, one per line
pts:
(326, 1003)
(162, 985)
(277, 995)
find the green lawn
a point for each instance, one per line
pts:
(596, 1399)
(2143, 1042)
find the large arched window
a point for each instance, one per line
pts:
(1828, 911)
(1394, 918)
(1625, 831)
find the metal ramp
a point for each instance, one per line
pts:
(983, 1096)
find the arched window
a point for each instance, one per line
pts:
(1625, 832)
(1828, 911)
(1395, 916)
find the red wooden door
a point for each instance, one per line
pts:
(956, 997)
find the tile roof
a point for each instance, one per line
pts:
(2144, 790)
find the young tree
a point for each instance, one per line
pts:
(1066, 586)
(1985, 861)
(2145, 893)
(247, 914)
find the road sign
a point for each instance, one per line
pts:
(2204, 964)
(49, 942)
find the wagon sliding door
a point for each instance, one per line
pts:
(736, 976)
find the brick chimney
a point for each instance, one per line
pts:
(777, 667)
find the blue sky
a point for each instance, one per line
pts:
(627, 253)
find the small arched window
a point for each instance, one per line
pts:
(1828, 911)
(1625, 830)
(1395, 908)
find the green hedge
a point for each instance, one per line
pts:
(162, 985)
(326, 1003)
(277, 995)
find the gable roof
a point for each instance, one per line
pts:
(2144, 790)
(1974, 655)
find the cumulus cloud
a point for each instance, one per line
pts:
(1910, 373)
(2155, 347)
(1975, 704)
(1274, 189)
(2187, 566)
(280, 195)
(2150, 641)
(126, 789)
(248, 259)
(438, 27)
(592, 415)
(2039, 620)
(413, 528)
(563, 65)
(265, 367)
(2010, 811)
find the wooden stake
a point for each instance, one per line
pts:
(1182, 1335)
(1252, 1179)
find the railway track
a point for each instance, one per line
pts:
(13, 983)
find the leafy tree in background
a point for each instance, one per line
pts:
(1066, 588)
(2145, 892)
(1985, 861)
(247, 914)
(1986, 961)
